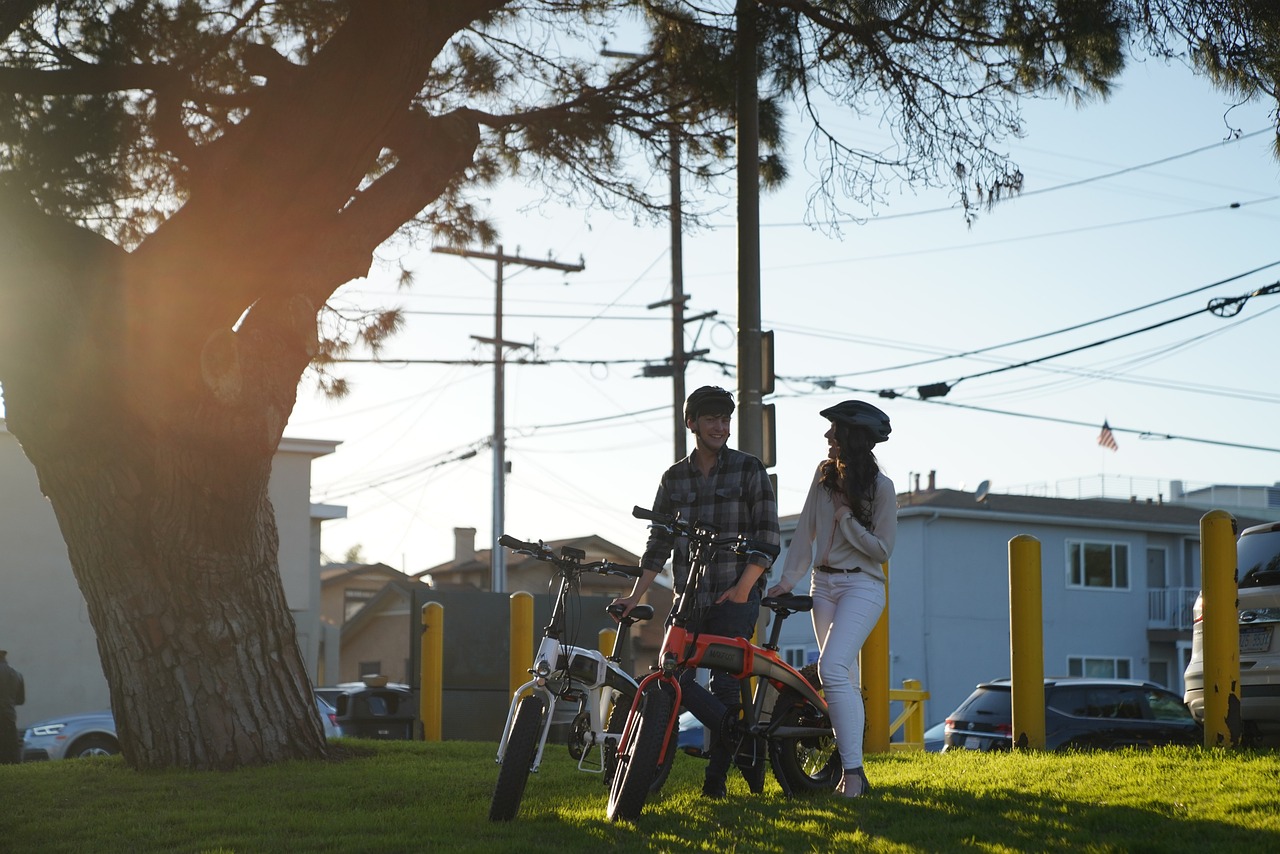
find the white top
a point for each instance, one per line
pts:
(827, 537)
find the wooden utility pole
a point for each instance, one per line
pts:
(498, 559)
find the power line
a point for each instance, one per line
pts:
(1143, 434)
(1061, 331)
(1055, 188)
(1217, 306)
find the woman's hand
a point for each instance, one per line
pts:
(777, 590)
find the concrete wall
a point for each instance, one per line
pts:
(44, 622)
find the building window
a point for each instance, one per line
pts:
(370, 668)
(1098, 667)
(353, 600)
(796, 656)
(1098, 565)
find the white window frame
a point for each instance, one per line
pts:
(1078, 665)
(1084, 545)
(797, 656)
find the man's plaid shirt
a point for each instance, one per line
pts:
(737, 498)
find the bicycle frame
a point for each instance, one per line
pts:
(563, 674)
(684, 646)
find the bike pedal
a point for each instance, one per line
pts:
(696, 752)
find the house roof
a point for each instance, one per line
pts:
(1104, 512)
(596, 547)
(395, 590)
(332, 573)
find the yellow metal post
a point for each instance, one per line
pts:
(1220, 620)
(913, 726)
(430, 705)
(606, 640)
(521, 639)
(1026, 642)
(874, 664)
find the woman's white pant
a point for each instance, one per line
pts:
(846, 606)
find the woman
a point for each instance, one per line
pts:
(845, 532)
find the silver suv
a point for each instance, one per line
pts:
(1258, 571)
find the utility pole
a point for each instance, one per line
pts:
(750, 362)
(498, 558)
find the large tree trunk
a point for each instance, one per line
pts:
(150, 389)
(174, 548)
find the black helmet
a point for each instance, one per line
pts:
(855, 413)
(708, 400)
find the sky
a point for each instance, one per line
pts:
(1135, 213)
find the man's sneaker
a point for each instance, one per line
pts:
(714, 789)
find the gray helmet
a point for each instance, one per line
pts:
(855, 413)
(708, 400)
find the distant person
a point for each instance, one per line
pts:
(845, 532)
(730, 489)
(12, 693)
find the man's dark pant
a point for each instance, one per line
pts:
(729, 619)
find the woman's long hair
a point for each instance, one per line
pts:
(854, 471)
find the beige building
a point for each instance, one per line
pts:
(44, 622)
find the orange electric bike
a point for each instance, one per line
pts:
(784, 719)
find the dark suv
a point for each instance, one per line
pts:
(1258, 594)
(1080, 713)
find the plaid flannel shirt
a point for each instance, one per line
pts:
(736, 497)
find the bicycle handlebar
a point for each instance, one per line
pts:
(742, 544)
(569, 557)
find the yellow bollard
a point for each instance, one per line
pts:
(913, 726)
(606, 641)
(430, 705)
(1026, 642)
(1220, 622)
(521, 639)
(874, 664)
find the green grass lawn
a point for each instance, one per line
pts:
(413, 796)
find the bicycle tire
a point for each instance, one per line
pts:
(614, 726)
(517, 760)
(639, 763)
(809, 765)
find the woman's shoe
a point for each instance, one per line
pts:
(854, 783)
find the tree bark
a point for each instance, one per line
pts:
(150, 389)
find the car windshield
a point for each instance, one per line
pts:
(1259, 558)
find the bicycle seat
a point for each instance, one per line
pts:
(789, 602)
(638, 614)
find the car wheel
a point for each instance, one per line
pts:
(94, 745)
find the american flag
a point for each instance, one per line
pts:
(1106, 438)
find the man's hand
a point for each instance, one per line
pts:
(627, 603)
(737, 593)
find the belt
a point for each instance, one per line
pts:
(837, 569)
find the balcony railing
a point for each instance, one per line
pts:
(1171, 608)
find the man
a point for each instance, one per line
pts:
(729, 489)
(12, 693)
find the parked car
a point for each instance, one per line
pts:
(1080, 713)
(94, 734)
(1258, 596)
(935, 737)
(71, 737)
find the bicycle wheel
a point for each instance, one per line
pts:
(613, 729)
(522, 746)
(809, 764)
(639, 763)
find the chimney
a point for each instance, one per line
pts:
(916, 476)
(464, 544)
(933, 479)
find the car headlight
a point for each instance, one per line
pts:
(47, 729)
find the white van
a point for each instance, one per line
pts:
(1258, 570)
